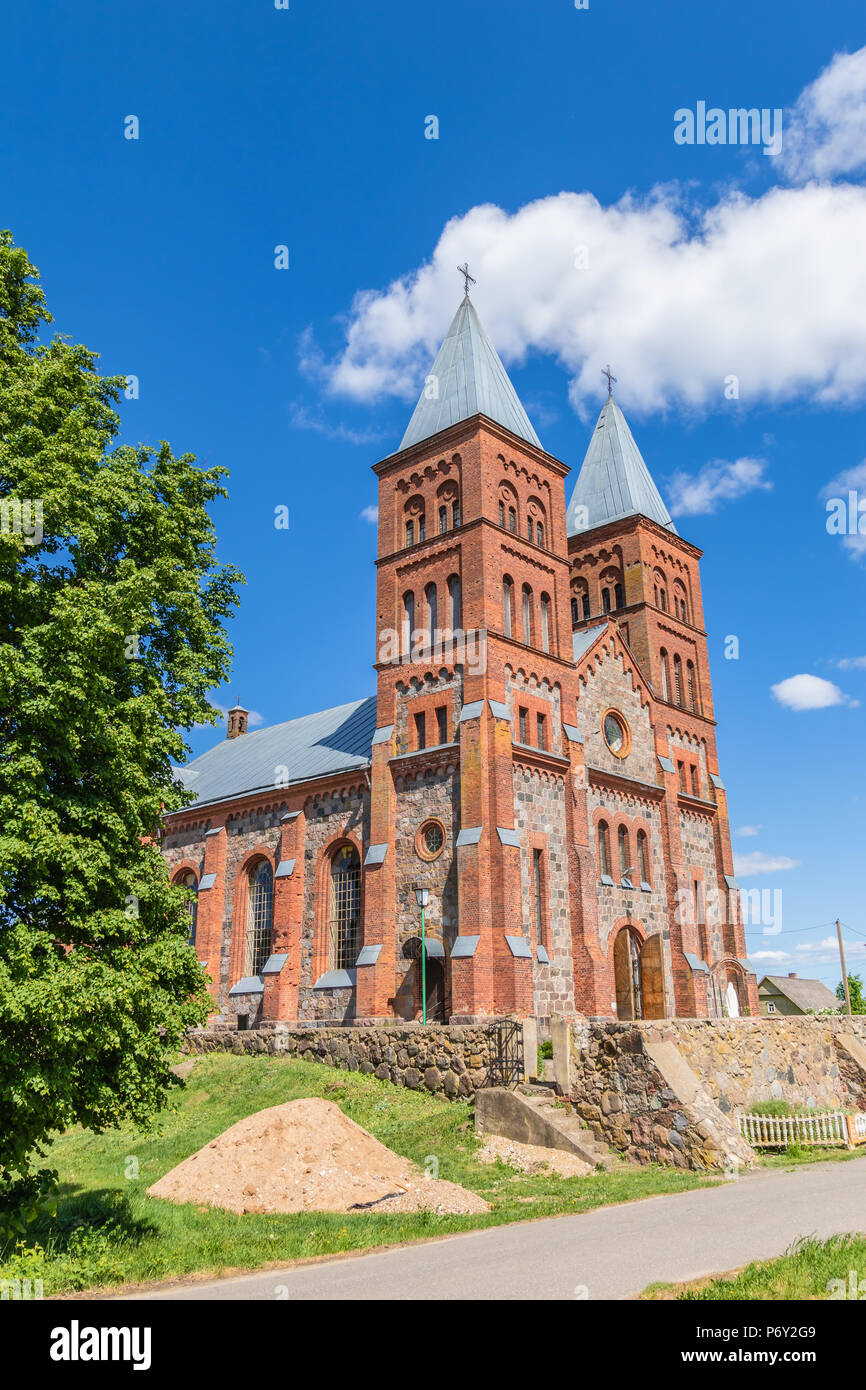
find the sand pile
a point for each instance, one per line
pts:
(529, 1158)
(307, 1155)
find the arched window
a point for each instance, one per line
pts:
(545, 622)
(512, 519)
(678, 679)
(345, 908)
(618, 596)
(432, 613)
(665, 675)
(605, 600)
(527, 615)
(501, 513)
(585, 605)
(623, 846)
(692, 685)
(443, 519)
(260, 917)
(529, 528)
(422, 527)
(575, 611)
(189, 881)
(643, 856)
(455, 513)
(410, 533)
(507, 605)
(539, 533)
(455, 604)
(408, 620)
(603, 849)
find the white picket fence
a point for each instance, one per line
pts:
(827, 1130)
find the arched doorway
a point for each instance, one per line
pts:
(627, 974)
(652, 977)
(435, 975)
(638, 976)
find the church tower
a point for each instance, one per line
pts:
(630, 567)
(474, 667)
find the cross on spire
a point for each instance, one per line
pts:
(606, 371)
(467, 278)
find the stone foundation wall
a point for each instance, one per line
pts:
(639, 1098)
(744, 1060)
(447, 1061)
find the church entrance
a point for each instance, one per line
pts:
(435, 989)
(639, 976)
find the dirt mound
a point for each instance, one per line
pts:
(307, 1155)
(529, 1158)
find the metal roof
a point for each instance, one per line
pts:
(614, 481)
(583, 640)
(333, 740)
(468, 378)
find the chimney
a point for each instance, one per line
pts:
(792, 974)
(237, 723)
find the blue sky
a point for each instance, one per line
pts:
(306, 128)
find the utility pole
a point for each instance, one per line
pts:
(844, 967)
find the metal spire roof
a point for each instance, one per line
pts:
(614, 481)
(470, 379)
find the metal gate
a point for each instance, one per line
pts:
(507, 1066)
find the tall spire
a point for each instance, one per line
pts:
(466, 379)
(614, 481)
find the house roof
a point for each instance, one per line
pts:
(330, 741)
(806, 994)
(614, 482)
(469, 379)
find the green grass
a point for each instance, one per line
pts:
(805, 1273)
(108, 1231)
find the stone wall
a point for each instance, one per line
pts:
(744, 1060)
(639, 1097)
(447, 1061)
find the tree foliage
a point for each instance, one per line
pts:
(855, 990)
(112, 604)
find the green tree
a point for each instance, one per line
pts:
(112, 604)
(855, 989)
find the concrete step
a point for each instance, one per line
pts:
(530, 1116)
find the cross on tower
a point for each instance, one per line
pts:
(467, 278)
(606, 371)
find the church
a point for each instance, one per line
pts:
(536, 772)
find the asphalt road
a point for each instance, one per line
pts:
(611, 1253)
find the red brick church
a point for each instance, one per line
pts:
(540, 756)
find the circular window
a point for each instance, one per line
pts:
(430, 840)
(616, 733)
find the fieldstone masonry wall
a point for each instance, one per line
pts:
(448, 1061)
(743, 1060)
(642, 1100)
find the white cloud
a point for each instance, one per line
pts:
(852, 663)
(747, 865)
(370, 514)
(826, 952)
(302, 419)
(696, 494)
(676, 298)
(770, 957)
(749, 829)
(808, 692)
(825, 133)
